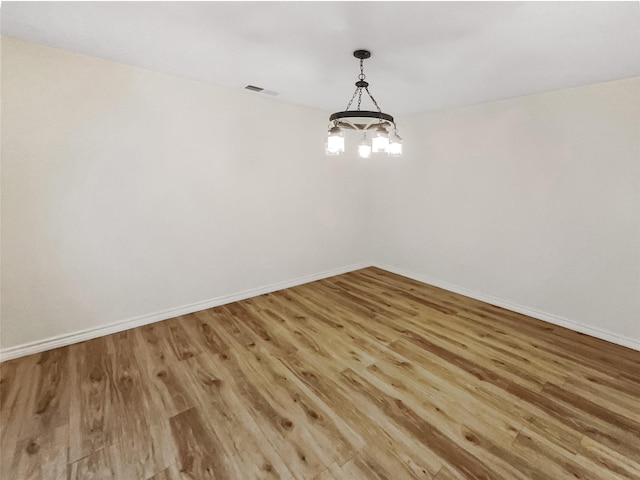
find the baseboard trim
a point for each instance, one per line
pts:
(547, 317)
(82, 335)
(90, 333)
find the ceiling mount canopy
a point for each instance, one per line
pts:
(381, 126)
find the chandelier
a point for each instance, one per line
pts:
(379, 132)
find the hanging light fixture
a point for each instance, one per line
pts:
(384, 134)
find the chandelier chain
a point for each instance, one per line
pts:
(359, 89)
(353, 98)
(362, 76)
(372, 99)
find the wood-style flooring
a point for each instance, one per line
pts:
(367, 375)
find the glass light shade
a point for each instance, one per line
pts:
(380, 140)
(335, 141)
(364, 148)
(395, 146)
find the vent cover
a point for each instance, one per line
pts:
(253, 88)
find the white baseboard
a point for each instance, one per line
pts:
(547, 317)
(88, 334)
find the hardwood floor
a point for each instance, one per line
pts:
(366, 375)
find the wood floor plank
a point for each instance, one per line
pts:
(374, 462)
(99, 465)
(164, 390)
(491, 396)
(607, 433)
(534, 449)
(180, 341)
(569, 397)
(48, 402)
(295, 445)
(244, 445)
(335, 441)
(7, 383)
(558, 340)
(199, 450)
(344, 351)
(368, 337)
(367, 375)
(91, 420)
(326, 475)
(254, 459)
(381, 432)
(202, 327)
(318, 301)
(460, 450)
(609, 460)
(170, 473)
(140, 435)
(441, 404)
(154, 338)
(121, 341)
(446, 473)
(594, 389)
(43, 456)
(503, 353)
(14, 409)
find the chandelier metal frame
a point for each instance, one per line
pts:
(342, 118)
(364, 121)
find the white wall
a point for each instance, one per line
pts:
(531, 202)
(127, 192)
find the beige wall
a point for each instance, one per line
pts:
(531, 202)
(129, 193)
(131, 196)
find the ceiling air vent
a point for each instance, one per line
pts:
(253, 88)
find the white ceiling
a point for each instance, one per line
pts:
(426, 55)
